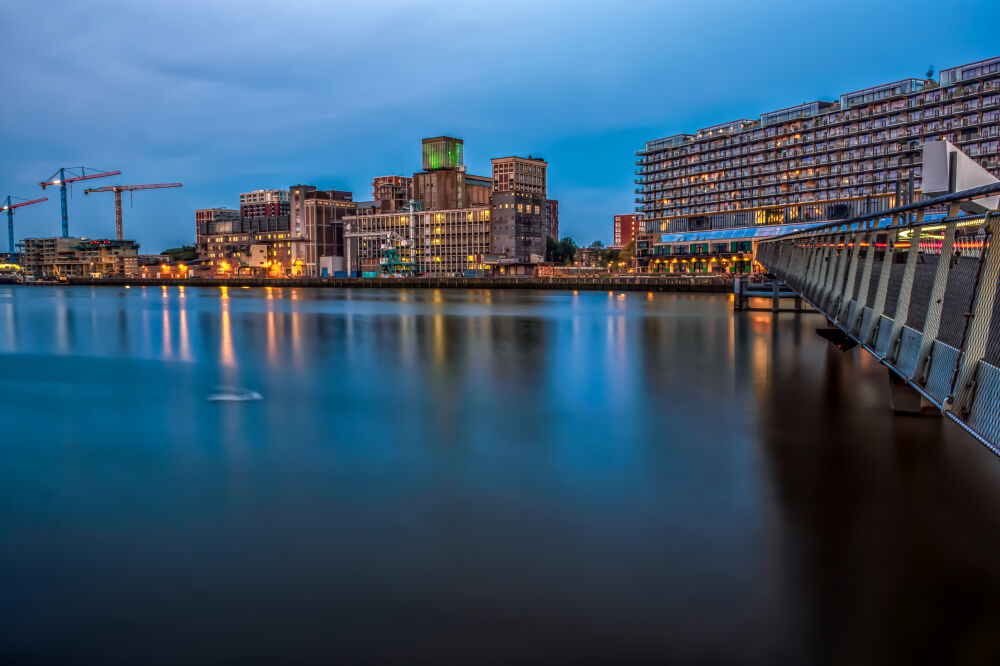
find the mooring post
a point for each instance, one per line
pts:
(775, 295)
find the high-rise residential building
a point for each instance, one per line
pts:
(815, 162)
(392, 192)
(523, 175)
(442, 152)
(552, 218)
(625, 228)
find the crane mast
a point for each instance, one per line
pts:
(75, 174)
(9, 207)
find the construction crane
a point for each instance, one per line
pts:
(75, 174)
(118, 189)
(9, 207)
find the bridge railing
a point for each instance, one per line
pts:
(918, 288)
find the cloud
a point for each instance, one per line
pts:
(229, 96)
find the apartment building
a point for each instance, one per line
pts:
(552, 218)
(624, 228)
(264, 203)
(815, 162)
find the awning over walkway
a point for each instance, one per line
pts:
(746, 233)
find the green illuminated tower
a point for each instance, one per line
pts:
(442, 152)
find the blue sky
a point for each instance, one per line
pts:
(231, 96)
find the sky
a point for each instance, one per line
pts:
(227, 97)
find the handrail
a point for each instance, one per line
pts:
(965, 195)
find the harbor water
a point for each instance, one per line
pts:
(286, 475)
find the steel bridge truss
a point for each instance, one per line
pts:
(918, 290)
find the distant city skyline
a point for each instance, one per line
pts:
(228, 98)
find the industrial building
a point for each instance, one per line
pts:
(54, 258)
(460, 224)
(518, 231)
(444, 183)
(521, 175)
(212, 221)
(392, 193)
(277, 233)
(815, 162)
(438, 243)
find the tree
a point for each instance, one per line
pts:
(183, 253)
(627, 253)
(597, 245)
(568, 249)
(610, 255)
(551, 249)
(561, 251)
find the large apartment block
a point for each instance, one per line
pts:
(818, 161)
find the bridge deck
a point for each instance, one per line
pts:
(922, 296)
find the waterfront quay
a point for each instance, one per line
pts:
(719, 284)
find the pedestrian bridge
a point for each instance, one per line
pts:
(917, 287)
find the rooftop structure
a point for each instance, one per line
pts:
(524, 175)
(442, 152)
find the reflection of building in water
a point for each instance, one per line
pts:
(79, 257)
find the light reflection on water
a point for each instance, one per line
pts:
(558, 476)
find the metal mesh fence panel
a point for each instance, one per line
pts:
(895, 282)
(960, 290)
(852, 294)
(992, 355)
(923, 282)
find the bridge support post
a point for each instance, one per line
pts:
(775, 295)
(906, 401)
(839, 311)
(905, 289)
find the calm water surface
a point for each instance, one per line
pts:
(473, 477)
